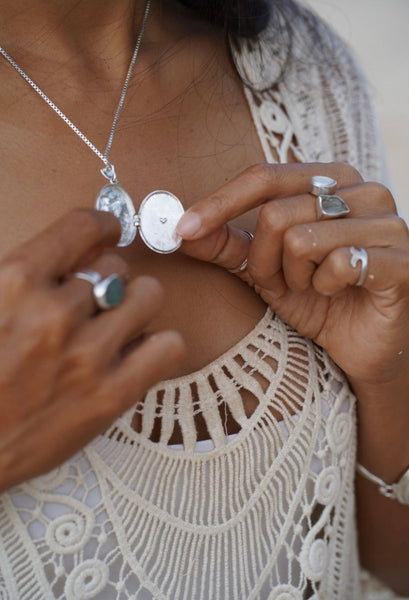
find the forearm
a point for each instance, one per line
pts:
(383, 448)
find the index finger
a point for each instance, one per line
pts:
(58, 249)
(253, 187)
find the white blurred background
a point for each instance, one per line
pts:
(378, 33)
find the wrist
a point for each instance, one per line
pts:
(383, 428)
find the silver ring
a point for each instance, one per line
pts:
(243, 265)
(108, 292)
(359, 255)
(331, 207)
(320, 184)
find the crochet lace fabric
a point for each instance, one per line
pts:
(267, 514)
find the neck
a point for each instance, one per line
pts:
(90, 33)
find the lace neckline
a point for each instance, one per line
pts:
(270, 365)
(204, 371)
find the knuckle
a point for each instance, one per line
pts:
(15, 275)
(272, 217)
(267, 218)
(382, 194)
(80, 361)
(399, 226)
(297, 241)
(278, 215)
(220, 201)
(264, 172)
(337, 263)
(47, 324)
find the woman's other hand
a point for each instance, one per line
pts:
(301, 266)
(67, 370)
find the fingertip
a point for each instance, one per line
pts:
(171, 344)
(149, 287)
(189, 225)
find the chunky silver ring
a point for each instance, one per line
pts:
(320, 184)
(243, 265)
(108, 292)
(359, 255)
(331, 207)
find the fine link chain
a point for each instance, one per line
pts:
(127, 79)
(109, 170)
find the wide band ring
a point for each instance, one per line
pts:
(243, 265)
(108, 292)
(359, 255)
(330, 206)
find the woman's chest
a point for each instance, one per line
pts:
(190, 147)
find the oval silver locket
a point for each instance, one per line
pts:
(158, 216)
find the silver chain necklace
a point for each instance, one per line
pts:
(160, 211)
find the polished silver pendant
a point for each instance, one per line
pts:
(158, 216)
(114, 199)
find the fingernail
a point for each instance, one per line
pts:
(189, 224)
(268, 295)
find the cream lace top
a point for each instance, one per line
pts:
(266, 514)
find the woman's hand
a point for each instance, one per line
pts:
(66, 370)
(301, 265)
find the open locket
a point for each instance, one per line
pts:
(156, 220)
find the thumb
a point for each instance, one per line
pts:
(226, 247)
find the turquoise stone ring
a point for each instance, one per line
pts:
(108, 292)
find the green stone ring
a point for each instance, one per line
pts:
(108, 292)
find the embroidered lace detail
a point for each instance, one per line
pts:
(315, 110)
(217, 389)
(130, 518)
(279, 141)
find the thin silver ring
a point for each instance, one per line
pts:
(243, 265)
(108, 292)
(93, 277)
(359, 255)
